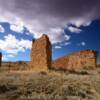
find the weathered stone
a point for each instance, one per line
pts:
(80, 60)
(41, 54)
(0, 58)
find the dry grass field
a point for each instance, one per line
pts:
(51, 85)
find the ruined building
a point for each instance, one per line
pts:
(0, 58)
(41, 54)
(41, 57)
(86, 59)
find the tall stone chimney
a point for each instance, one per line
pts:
(0, 58)
(41, 54)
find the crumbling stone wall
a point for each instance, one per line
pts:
(84, 59)
(41, 54)
(0, 59)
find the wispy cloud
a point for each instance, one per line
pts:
(61, 45)
(67, 43)
(57, 47)
(74, 29)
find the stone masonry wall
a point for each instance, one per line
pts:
(41, 54)
(80, 60)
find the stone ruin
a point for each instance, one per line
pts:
(41, 54)
(0, 59)
(86, 59)
(41, 58)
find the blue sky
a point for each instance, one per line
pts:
(87, 37)
(71, 25)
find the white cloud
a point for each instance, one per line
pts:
(74, 29)
(16, 28)
(67, 43)
(36, 27)
(57, 47)
(67, 37)
(48, 17)
(62, 45)
(10, 55)
(57, 35)
(82, 43)
(4, 58)
(25, 44)
(2, 29)
(12, 46)
(80, 22)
